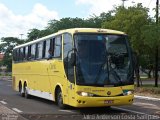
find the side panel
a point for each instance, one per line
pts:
(57, 78)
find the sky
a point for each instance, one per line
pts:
(19, 16)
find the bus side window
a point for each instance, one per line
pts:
(52, 45)
(21, 54)
(47, 46)
(26, 53)
(17, 55)
(14, 54)
(33, 51)
(24, 49)
(39, 48)
(29, 52)
(58, 46)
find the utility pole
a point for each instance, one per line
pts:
(123, 2)
(21, 35)
(156, 48)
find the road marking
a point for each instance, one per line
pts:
(9, 85)
(129, 110)
(17, 110)
(146, 98)
(3, 102)
(9, 80)
(147, 104)
(68, 111)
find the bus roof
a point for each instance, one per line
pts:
(72, 31)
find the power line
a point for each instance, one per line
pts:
(149, 3)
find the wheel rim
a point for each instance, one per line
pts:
(25, 91)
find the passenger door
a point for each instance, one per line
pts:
(69, 69)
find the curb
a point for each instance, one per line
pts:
(146, 98)
(8, 114)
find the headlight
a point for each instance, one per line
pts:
(85, 94)
(128, 92)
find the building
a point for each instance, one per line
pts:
(1, 56)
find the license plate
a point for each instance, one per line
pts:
(108, 101)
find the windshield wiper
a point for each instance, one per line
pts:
(113, 58)
(112, 71)
(101, 68)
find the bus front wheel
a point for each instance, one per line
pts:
(59, 99)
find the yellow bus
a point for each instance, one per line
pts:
(79, 67)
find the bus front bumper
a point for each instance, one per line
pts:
(103, 101)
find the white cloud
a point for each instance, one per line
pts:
(99, 6)
(13, 25)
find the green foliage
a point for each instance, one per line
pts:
(151, 34)
(34, 34)
(130, 20)
(66, 23)
(134, 21)
(6, 47)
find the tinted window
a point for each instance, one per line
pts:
(47, 48)
(21, 54)
(33, 51)
(39, 50)
(24, 49)
(14, 55)
(67, 44)
(17, 51)
(26, 53)
(57, 47)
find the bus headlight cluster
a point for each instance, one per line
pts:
(128, 92)
(85, 94)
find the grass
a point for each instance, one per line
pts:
(148, 90)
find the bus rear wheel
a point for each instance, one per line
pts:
(26, 95)
(21, 90)
(59, 99)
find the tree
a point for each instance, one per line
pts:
(66, 23)
(6, 47)
(33, 34)
(131, 20)
(152, 39)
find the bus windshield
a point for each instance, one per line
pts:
(103, 59)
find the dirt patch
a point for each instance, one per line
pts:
(148, 91)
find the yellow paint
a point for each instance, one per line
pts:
(42, 75)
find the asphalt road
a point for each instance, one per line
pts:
(41, 109)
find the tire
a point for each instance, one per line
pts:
(108, 107)
(59, 99)
(21, 90)
(26, 95)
